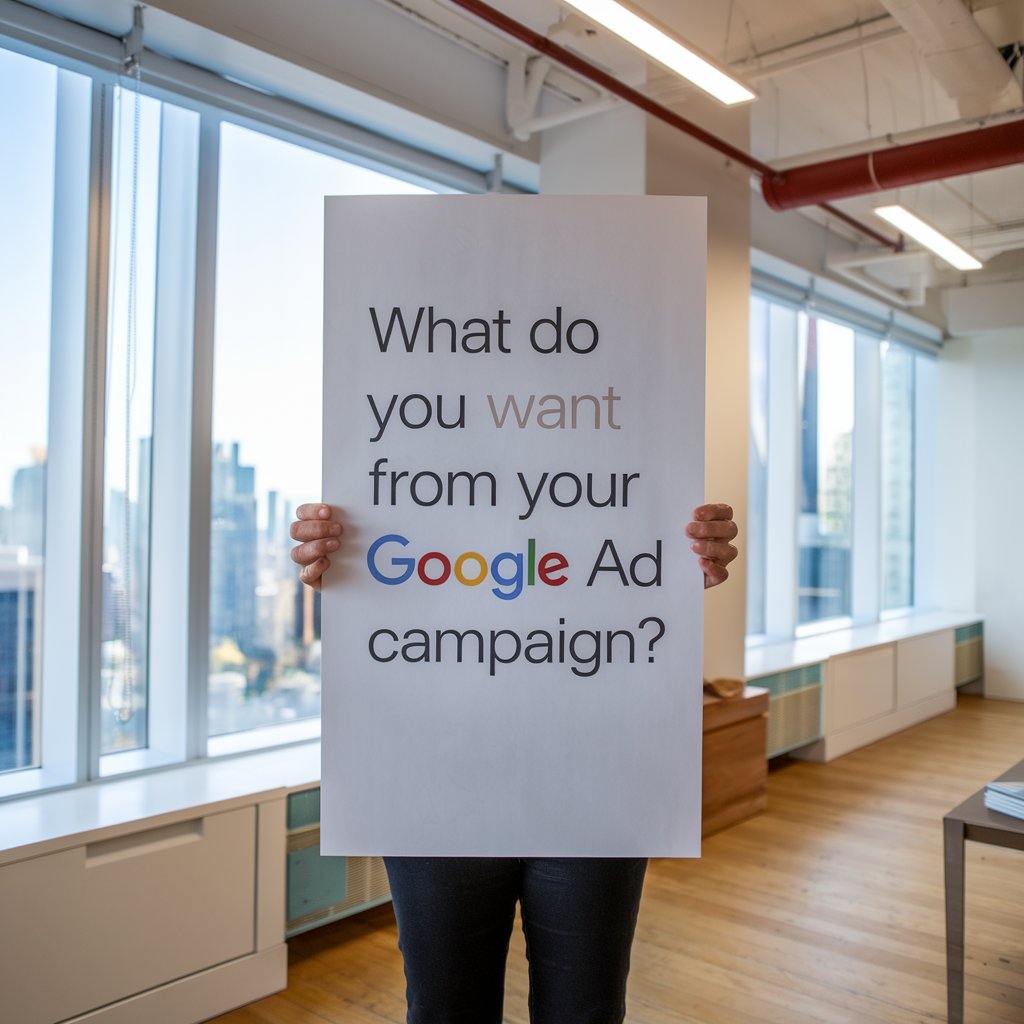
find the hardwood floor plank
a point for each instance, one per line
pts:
(826, 909)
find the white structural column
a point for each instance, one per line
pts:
(626, 152)
(600, 155)
(679, 165)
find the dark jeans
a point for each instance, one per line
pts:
(455, 917)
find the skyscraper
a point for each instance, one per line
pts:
(233, 549)
(28, 505)
(21, 589)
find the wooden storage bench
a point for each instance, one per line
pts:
(735, 763)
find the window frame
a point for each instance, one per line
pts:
(785, 300)
(70, 688)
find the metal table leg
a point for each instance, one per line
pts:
(953, 848)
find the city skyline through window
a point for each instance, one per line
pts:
(264, 626)
(264, 438)
(827, 453)
(128, 421)
(832, 473)
(28, 142)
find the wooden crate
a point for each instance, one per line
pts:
(735, 765)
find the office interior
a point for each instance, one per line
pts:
(163, 171)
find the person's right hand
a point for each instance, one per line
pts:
(318, 535)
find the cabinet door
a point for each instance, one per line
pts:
(861, 686)
(924, 667)
(90, 925)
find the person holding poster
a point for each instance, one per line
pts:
(455, 914)
(513, 416)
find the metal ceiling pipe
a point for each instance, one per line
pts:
(549, 48)
(947, 157)
(609, 83)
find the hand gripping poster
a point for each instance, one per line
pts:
(514, 443)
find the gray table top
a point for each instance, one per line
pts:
(974, 812)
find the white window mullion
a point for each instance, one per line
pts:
(928, 569)
(202, 435)
(91, 441)
(172, 452)
(68, 577)
(866, 560)
(782, 559)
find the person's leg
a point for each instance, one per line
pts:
(455, 917)
(579, 915)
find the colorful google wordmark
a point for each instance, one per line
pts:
(511, 571)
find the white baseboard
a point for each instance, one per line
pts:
(200, 996)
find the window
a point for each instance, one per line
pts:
(898, 414)
(265, 626)
(160, 302)
(128, 419)
(825, 394)
(757, 467)
(27, 138)
(152, 231)
(835, 428)
(44, 137)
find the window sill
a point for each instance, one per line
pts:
(251, 740)
(42, 823)
(766, 659)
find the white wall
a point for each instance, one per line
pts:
(982, 543)
(599, 155)
(955, 585)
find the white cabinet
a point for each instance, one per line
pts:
(926, 667)
(882, 688)
(859, 687)
(172, 919)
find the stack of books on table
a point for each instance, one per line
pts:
(1005, 797)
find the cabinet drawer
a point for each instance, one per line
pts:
(122, 915)
(924, 667)
(861, 686)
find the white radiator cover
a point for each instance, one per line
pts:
(876, 691)
(169, 920)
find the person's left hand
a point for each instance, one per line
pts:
(711, 531)
(318, 534)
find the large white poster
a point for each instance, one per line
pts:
(513, 439)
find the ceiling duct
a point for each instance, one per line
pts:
(959, 55)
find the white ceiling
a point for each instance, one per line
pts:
(873, 94)
(870, 94)
(867, 93)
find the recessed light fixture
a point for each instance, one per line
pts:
(661, 47)
(945, 248)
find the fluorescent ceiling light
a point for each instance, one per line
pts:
(943, 247)
(660, 47)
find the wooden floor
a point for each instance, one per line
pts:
(826, 908)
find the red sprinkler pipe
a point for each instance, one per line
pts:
(543, 45)
(947, 157)
(568, 59)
